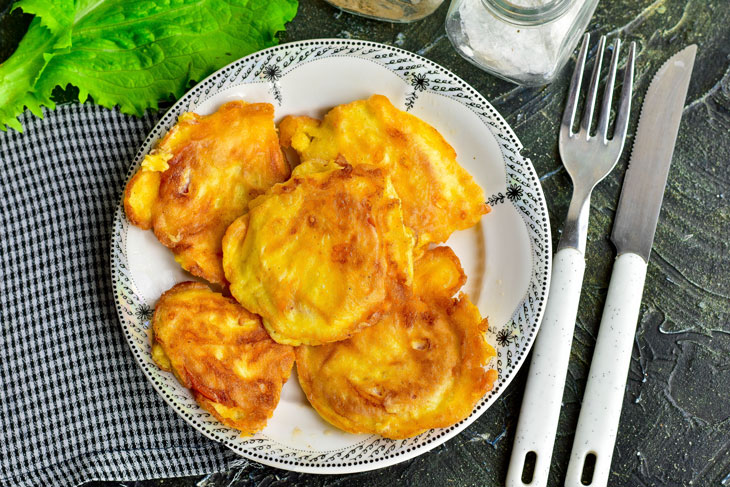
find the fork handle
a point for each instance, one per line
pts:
(604, 395)
(544, 390)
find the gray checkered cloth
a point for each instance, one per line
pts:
(75, 405)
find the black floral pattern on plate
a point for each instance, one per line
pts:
(514, 193)
(143, 312)
(419, 82)
(505, 337)
(272, 73)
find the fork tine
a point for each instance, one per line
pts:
(602, 129)
(593, 89)
(572, 104)
(622, 118)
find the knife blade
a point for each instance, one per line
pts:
(646, 177)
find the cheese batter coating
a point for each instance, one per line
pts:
(438, 195)
(419, 367)
(201, 177)
(321, 256)
(221, 353)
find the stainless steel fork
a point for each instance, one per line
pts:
(588, 159)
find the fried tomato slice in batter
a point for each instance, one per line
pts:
(201, 177)
(321, 255)
(222, 353)
(419, 367)
(438, 195)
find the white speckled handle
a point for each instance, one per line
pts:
(544, 390)
(603, 398)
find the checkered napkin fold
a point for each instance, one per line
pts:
(75, 405)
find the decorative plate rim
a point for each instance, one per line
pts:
(133, 312)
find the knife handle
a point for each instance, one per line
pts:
(545, 381)
(604, 394)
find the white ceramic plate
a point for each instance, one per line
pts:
(506, 257)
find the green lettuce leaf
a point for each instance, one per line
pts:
(130, 54)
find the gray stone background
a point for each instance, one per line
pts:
(675, 425)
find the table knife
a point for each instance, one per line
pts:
(632, 235)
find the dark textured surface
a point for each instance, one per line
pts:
(675, 425)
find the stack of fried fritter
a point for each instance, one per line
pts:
(336, 260)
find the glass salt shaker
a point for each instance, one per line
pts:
(390, 10)
(523, 41)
